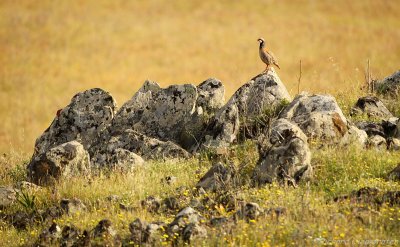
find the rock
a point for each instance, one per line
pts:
(153, 233)
(104, 234)
(169, 180)
(249, 211)
(259, 94)
(193, 231)
(216, 177)
(24, 185)
(63, 161)
(137, 229)
(287, 156)
(319, 116)
(52, 213)
(371, 128)
(22, 220)
(392, 198)
(218, 221)
(72, 206)
(211, 93)
(124, 160)
(151, 203)
(354, 136)
(395, 174)
(171, 203)
(372, 107)
(8, 195)
(223, 129)
(390, 85)
(377, 142)
(140, 144)
(393, 144)
(113, 198)
(70, 236)
(390, 127)
(50, 237)
(185, 216)
(88, 114)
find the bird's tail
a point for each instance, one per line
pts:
(276, 64)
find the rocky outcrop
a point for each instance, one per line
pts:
(319, 116)
(285, 157)
(88, 114)
(389, 86)
(63, 161)
(372, 107)
(259, 94)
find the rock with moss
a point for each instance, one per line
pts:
(63, 161)
(285, 157)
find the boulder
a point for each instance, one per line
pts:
(319, 116)
(354, 136)
(137, 229)
(124, 160)
(137, 143)
(72, 206)
(88, 114)
(151, 203)
(104, 234)
(377, 142)
(8, 195)
(72, 236)
(286, 156)
(259, 94)
(372, 107)
(50, 236)
(63, 161)
(216, 177)
(371, 128)
(223, 129)
(390, 85)
(211, 95)
(193, 231)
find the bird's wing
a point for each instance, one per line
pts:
(273, 56)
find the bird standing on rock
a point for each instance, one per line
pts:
(266, 57)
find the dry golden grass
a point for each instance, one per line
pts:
(51, 50)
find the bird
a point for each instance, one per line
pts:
(266, 57)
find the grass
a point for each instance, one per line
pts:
(52, 50)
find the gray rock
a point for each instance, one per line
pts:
(223, 129)
(319, 116)
(185, 216)
(372, 107)
(104, 234)
(193, 231)
(151, 204)
(354, 136)
(8, 196)
(395, 174)
(88, 114)
(140, 144)
(137, 229)
(260, 93)
(377, 142)
(287, 156)
(153, 232)
(72, 206)
(70, 236)
(24, 185)
(124, 160)
(389, 86)
(393, 144)
(63, 161)
(216, 177)
(49, 237)
(249, 211)
(211, 95)
(371, 128)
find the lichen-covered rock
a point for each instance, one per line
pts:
(63, 161)
(151, 203)
(8, 195)
(138, 143)
(224, 128)
(104, 234)
(124, 160)
(211, 95)
(72, 236)
(372, 107)
(377, 142)
(193, 231)
(260, 93)
(371, 128)
(319, 116)
(137, 229)
(88, 114)
(354, 136)
(49, 237)
(216, 177)
(390, 85)
(286, 156)
(72, 206)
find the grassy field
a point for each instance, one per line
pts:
(50, 50)
(53, 49)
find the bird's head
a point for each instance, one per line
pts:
(261, 40)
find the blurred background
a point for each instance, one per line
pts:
(52, 49)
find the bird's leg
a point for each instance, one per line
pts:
(266, 69)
